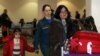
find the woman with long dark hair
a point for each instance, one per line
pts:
(62, 13)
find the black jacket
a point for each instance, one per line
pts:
(57, 34)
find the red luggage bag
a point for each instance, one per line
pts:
(85, 43)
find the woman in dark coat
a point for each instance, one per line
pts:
(68, 29)
(62, 13)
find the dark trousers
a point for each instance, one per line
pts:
(45, 50)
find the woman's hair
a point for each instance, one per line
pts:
(58, 11)
(46, 5)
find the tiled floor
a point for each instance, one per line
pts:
(27, 53)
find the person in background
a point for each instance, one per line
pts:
(6, 19)
(34, 25)
(79, 24)
(6, 22)
(17, 44)
(90, 24)
(84, 14)
(62, 13)
(83, 17)
(22, 22)
(77, 16)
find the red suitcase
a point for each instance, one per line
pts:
(85, 43)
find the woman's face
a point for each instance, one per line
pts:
(17, 34)
(63, 13)
(47, 12)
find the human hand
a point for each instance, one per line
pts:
(36, 51)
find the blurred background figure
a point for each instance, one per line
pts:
(84, 14)
(6, 19)
(77, 15)
(90, 24)
(22, 22)
(34, 25)
(5, 23)
(79, 24)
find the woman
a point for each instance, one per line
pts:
(41, 36)
(16, 45)
(62, 13)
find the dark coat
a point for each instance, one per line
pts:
(56, 38)
(57, 35)
(42, 36)
(5, 20)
